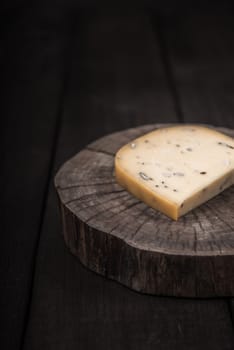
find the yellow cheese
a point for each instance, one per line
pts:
(176, 169)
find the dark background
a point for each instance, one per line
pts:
(72, 72)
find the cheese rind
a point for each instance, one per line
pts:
(176, 169)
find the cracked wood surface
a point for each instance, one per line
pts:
(118, 236)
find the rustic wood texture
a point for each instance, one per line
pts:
(33, 59)
(198, 51)
(72, 306)
(118, 236)
(119, 79)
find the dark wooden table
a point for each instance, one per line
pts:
(70, 77)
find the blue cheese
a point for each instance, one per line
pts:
(178, 168)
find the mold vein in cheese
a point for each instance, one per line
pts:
(178, 168)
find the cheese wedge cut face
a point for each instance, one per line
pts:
(176, 169)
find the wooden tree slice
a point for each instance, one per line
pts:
(120, 237)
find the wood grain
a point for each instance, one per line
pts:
(33, 65)
(118, 236)
(199, 51)
(73, 307)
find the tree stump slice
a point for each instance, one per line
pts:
(120, 237)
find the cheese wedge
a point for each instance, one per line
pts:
(176, 169)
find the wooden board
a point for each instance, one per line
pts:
(33, 79)
(72, 307)
(200, 52)
(120, 237)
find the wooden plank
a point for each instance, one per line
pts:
(116, 83)
(72, 307)
(33, 83)
(200, 53)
